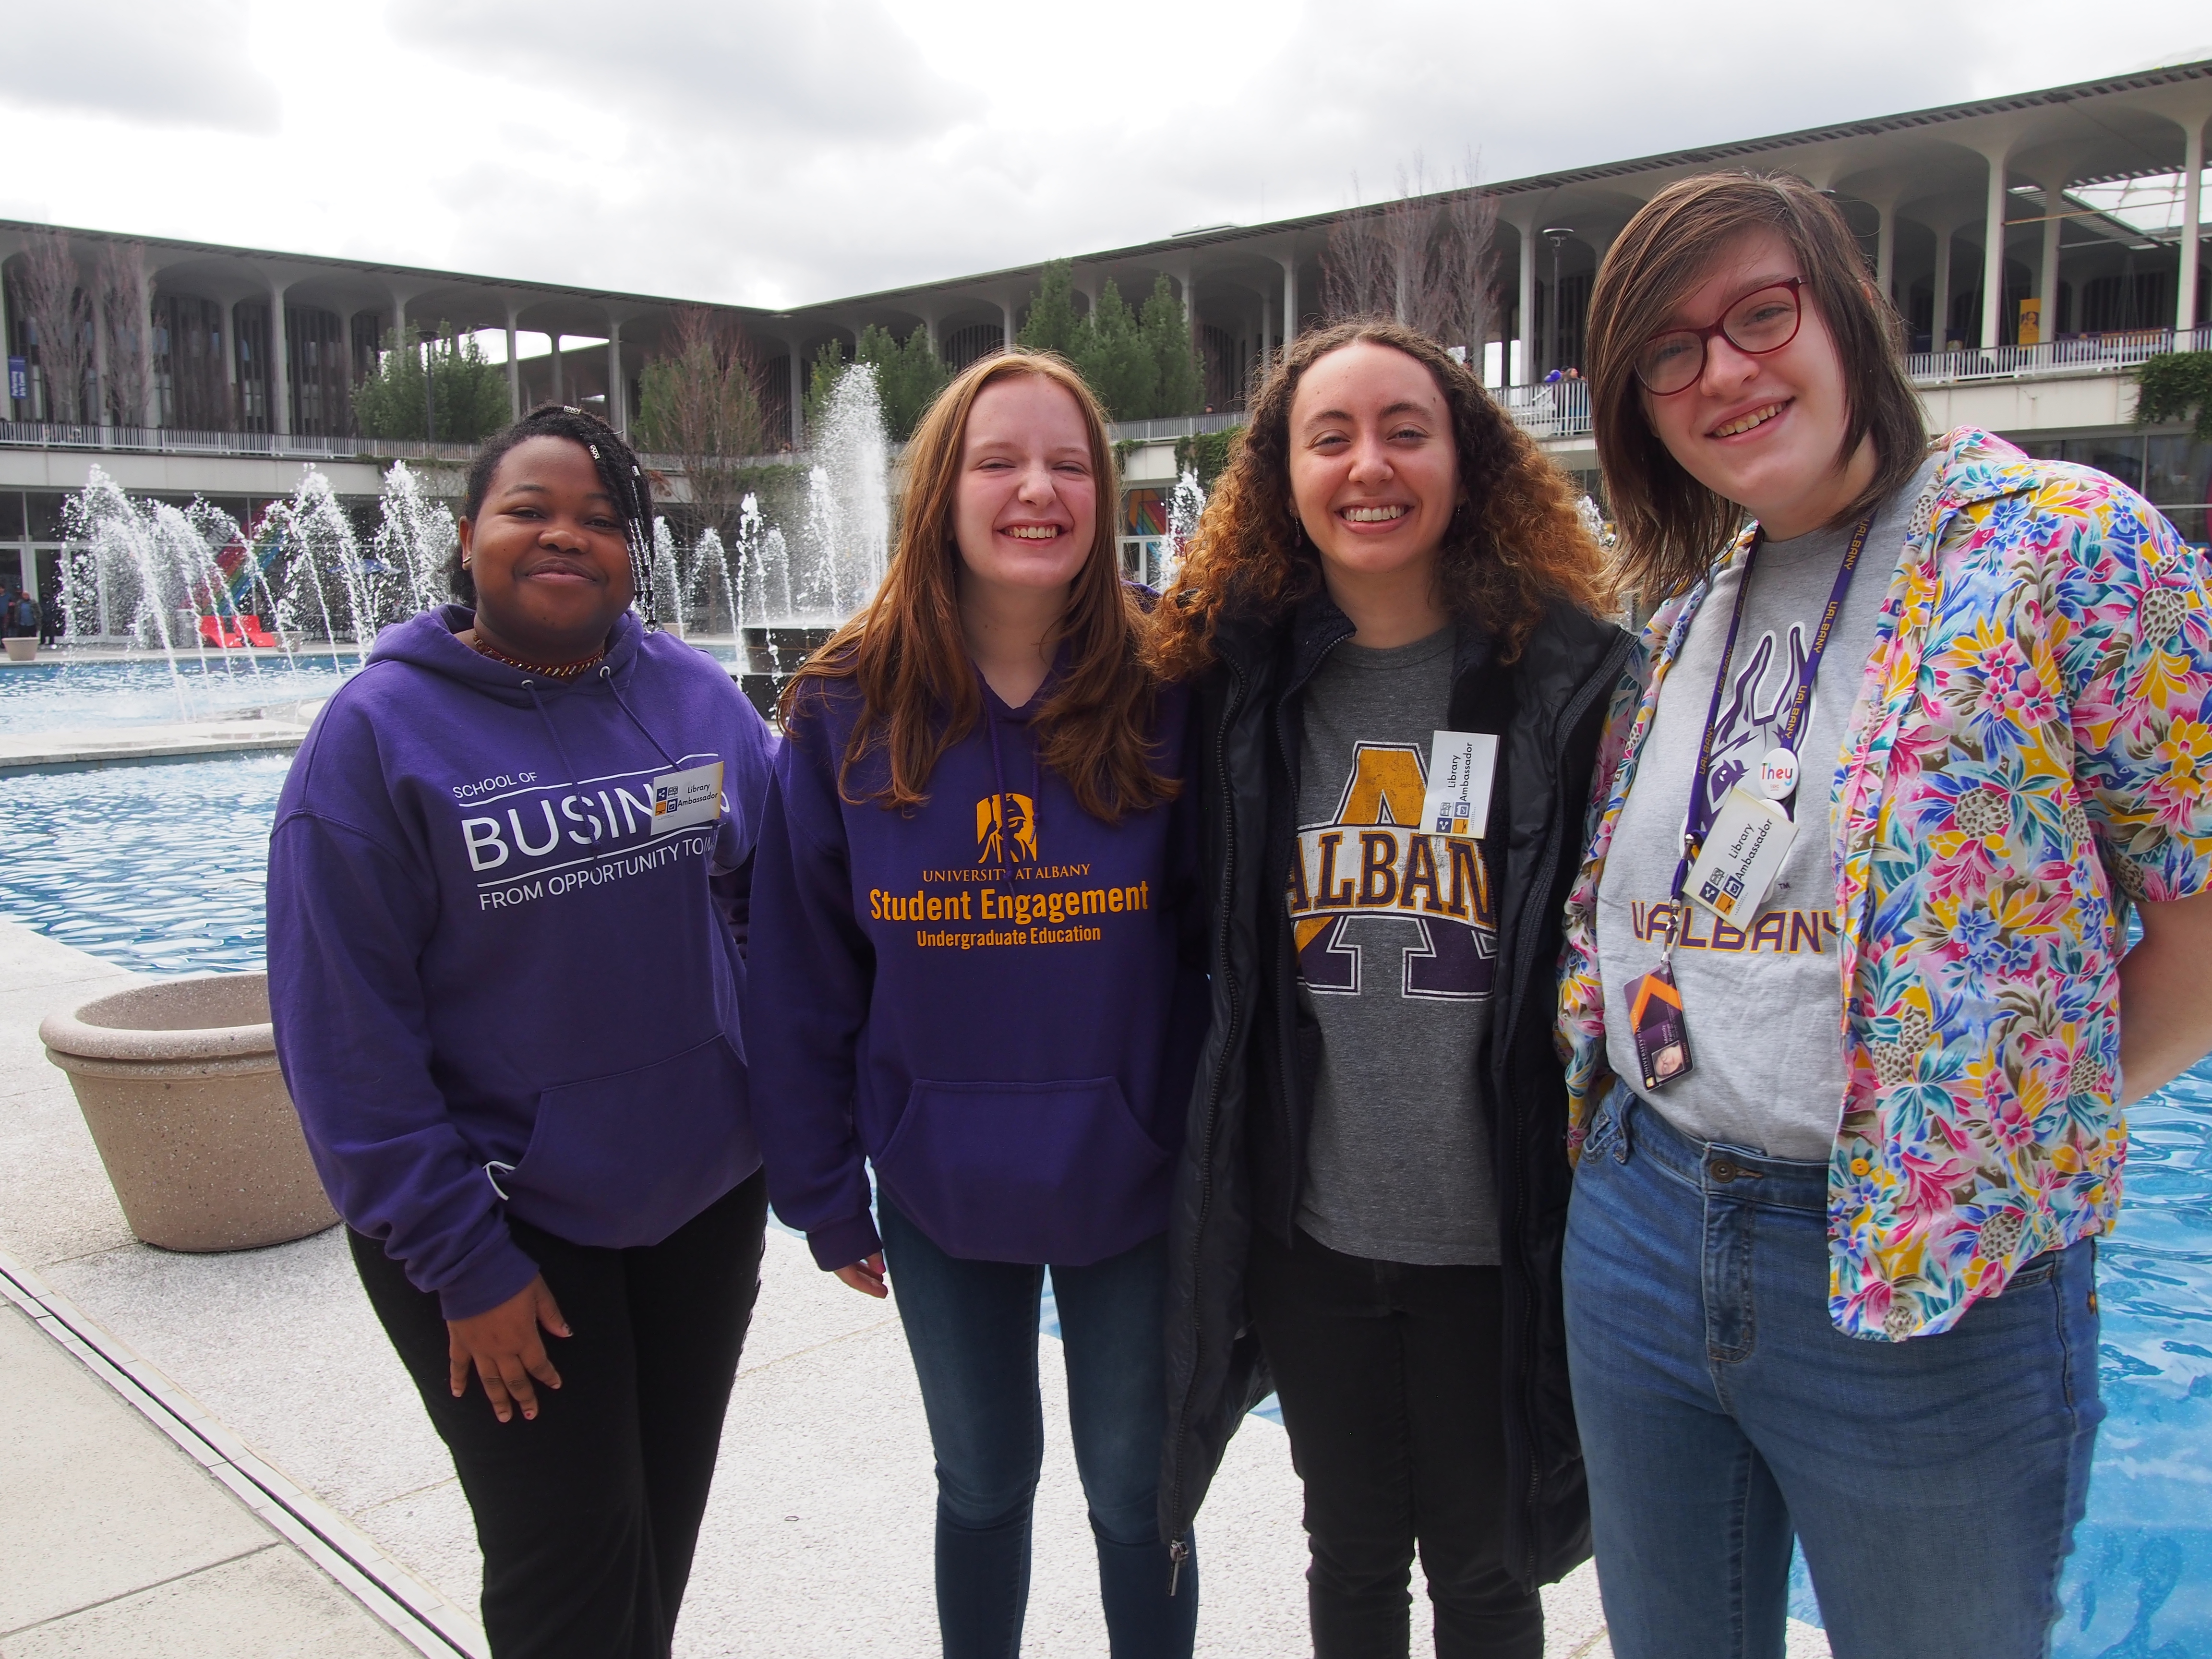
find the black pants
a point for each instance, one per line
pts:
(588, 1515)
(1389, 1379)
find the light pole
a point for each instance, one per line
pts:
(1557, 236)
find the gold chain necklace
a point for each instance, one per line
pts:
(566, 672)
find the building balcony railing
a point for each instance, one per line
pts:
(2080, 354)
(179, 440)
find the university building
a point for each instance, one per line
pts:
(2038, 245)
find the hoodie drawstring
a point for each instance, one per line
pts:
(575, 778)
(607, 677)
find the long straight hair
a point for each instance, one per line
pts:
(909, 655)
(1672, 527)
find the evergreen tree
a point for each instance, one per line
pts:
(468, 392)
(908, 376)
(1052, 324)
(1111, 352)
(1179, 387)
(827, 368)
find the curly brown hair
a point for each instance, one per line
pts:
(909, 658)
(1516, 546)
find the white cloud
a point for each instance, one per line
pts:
(133, 64)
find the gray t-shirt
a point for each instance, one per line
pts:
(1396, 934)
(1763, 1002)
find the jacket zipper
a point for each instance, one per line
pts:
(1608, 672)
(1179, 1546)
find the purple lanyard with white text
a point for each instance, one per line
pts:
(1699, 822)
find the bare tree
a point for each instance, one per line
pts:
(702, 403)
(59, 311)
(126, 307)
(1358, 269)
(1429, 261)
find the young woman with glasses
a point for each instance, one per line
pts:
(1392, 618)
(970, 972)
(1847, 997)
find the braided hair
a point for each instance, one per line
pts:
(619, 469)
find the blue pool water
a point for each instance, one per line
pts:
(52, 694)
(160, 868)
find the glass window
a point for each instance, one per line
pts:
(45, 507)
(11, 515)
(2180, 472)
(2122, 456)
(2191, 522)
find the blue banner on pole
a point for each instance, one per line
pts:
(19, 378)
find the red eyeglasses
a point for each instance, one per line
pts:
(1762, 321)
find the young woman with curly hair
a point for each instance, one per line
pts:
(976, 970)
(1393, 619)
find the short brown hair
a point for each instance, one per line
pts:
(910, 656)
(1672, 527)
(1516, 544)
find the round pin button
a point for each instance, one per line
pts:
(1777, 774)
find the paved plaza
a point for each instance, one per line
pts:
(220, 1455)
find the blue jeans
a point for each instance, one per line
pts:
(972, 1328)
(1934, 1484)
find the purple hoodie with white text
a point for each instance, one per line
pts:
(506, 948)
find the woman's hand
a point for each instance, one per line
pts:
(503, 1347)
(866, 1275)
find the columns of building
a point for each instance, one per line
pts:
(1525, 321)
(1939, 326)
(1006, 328)
(2192, 196)
(513, 368)
(2047, 267)
(1290, 264)
(617, 393)
(797, 391)
(98, 416)
(1993, 249)
(277, 372)
(1885, 247)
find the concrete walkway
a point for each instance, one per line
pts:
(220, 1456)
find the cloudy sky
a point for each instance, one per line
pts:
(773, 154)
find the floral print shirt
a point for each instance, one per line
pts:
(2034, 731)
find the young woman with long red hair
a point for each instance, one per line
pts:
(971, 972)
(1392, 616)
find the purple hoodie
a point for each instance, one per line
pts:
(992, 998)
(506, 931)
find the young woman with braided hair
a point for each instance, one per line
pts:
(507, 898)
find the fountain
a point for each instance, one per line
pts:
(190, 584)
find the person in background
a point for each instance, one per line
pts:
(973, 968)
(1393, 618)
(1848, 993)
(508, 889)
(51, 621)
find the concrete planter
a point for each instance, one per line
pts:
(178, 1082)
(23, 647)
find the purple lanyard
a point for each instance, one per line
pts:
(1699, 822)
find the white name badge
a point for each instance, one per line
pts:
(681, 800)
(1461, 765)
(1742, 855)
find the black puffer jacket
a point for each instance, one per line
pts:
(1252, 1106)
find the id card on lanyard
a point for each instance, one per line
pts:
(1731, 857)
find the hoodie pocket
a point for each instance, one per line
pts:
(626, 1159)
(1055, 1172)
